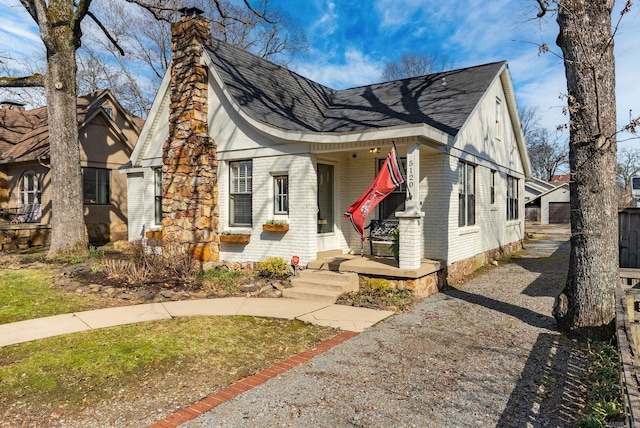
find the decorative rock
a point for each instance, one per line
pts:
(248, 287)
(167, 294)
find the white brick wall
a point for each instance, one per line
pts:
(302, 211)
(410, 243)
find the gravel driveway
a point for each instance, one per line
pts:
(485, 354)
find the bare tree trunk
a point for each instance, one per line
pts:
(67, 223)
(586, 305)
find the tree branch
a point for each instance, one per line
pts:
(36, 80)
(262, 15)
(156, 10)
(106, 32)
(30, 6)
(543, 8)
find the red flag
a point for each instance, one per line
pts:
(386, 182)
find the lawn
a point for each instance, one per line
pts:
(145, 371)
(27, 294)
(140, 369)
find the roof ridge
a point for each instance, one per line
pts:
(275, 95)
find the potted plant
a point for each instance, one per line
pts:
(395, 245)
(153, 234)
(235, 238)
(275, 226)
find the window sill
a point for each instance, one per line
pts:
(468, 230)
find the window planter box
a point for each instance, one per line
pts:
(267, 227)
(153, 234)
(235, 239)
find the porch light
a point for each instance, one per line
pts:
(375, 150)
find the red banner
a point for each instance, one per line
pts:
(386, 182)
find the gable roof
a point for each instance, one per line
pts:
(279, 97)
(24, 134)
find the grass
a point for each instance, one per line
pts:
(605, 403)
(220, 280)
(98, 365)
(26, 294)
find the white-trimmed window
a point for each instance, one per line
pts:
(512, 198)
(281, 194)
(157, 196)
(395, 201)
(240, 193)
(29, 188)
(498, 118)
(466, 194)
(96, 185)
(493, 187)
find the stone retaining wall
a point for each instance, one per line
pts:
(22, 236)
(459, 270)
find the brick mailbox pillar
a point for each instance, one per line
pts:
(189, 171)
(411, 219)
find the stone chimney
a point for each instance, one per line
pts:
(189, 172)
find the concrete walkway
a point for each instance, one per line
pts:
(346, 318)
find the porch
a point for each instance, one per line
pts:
(377, 266)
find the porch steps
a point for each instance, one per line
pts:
(321, 285)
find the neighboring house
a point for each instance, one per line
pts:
(107, 134)
(560, 178)
(534, 187)
(547, 203)
(274, 145)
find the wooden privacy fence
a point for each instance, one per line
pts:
(629, 237)
(628, 335)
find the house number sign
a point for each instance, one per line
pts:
(413, 162)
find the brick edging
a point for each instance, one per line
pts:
(214, 400)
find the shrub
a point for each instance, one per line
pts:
(273, 267)
(379, 293)
(146, 261)
(220, 280)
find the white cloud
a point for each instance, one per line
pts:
(327, 23)
(19, 37)
(353, 69)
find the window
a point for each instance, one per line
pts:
(29, 188)
(493, 187)
(396, 199)
(466, 194)
(240, 192)
(281, 194)
(498, 118)
(157, 196)
(95, 185)
(512, 198)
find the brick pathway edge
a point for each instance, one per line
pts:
(214, 400)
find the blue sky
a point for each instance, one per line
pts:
(350, 42)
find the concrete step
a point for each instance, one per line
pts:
(311, 293)
(324, 286)
(347, 281)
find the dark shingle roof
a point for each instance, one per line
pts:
(281, 98)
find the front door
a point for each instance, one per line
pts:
(326, 209)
